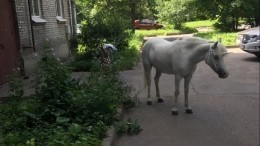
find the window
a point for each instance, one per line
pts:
(35, 8)
(36, 12)
(59, 11)
(59, 8)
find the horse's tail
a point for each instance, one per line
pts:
(146, 62)
(142, 87)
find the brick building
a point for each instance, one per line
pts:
(27, 25)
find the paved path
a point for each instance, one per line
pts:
(226, 111)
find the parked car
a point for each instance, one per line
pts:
(147, 24)
(250, 41)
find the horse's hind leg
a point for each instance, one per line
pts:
(156, 81)
(147, 75)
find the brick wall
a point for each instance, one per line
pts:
(23, 20)
(52, 30)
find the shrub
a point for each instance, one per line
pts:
(63, 111)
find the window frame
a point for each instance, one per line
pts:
(37, 18)
(59, 8)
(33, 13)
(60, 11)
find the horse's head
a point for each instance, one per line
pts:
(214, 59)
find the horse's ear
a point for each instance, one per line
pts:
(215, 45)
(220, 40)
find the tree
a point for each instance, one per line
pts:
(174, 12)
(229, 12)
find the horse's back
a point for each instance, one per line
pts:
(158, 53)
(153, 45)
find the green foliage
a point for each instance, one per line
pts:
(96, 33)
(228, 12)
(174, 12)
(63, 111)
(228, 39)
(102, 22)
(146, 9)
(125, 58)
(129, 127)
(74, 41)
(201, 23)
(162, 32)
(16, 86)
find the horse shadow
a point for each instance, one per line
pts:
(251, 59)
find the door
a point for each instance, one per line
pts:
(8, 46)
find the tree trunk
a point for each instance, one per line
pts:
(133, 7)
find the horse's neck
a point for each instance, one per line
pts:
(199, 53)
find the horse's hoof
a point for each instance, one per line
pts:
(175, 113)
(160, 100)
(189, 111)
(149, 102)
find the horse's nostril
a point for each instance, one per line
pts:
(226, 74)
(223, 74)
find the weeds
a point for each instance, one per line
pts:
(129, 127)
(63, 111)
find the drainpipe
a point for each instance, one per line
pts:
(18, 42)
(32, 33)
(74, 21)
(70, 16)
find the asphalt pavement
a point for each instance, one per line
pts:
(225, 111)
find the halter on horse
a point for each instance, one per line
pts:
(180, 58)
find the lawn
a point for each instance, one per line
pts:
(228, 38)
(202, 23)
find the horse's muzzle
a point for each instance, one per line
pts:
(222, 74)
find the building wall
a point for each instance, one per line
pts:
(23, 20)
(53, 34)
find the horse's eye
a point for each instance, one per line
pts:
(216, 57)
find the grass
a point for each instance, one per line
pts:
(228, 39)
(158, 32)
(202, 23)
(163, 32)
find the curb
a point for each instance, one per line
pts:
(231, 47)
(111, 138)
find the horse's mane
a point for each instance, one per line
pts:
(196, 40)
(190, 42)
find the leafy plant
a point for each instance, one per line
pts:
(63, 111)
(129, 127)
(16, 86)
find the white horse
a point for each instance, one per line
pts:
(180, 57)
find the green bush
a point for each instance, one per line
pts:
(94, 35)
(130, 127)
(63, 111)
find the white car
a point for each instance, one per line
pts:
(250, 41)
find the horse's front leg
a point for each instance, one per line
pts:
(187, 80)
(176, 94)
(156, 81)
